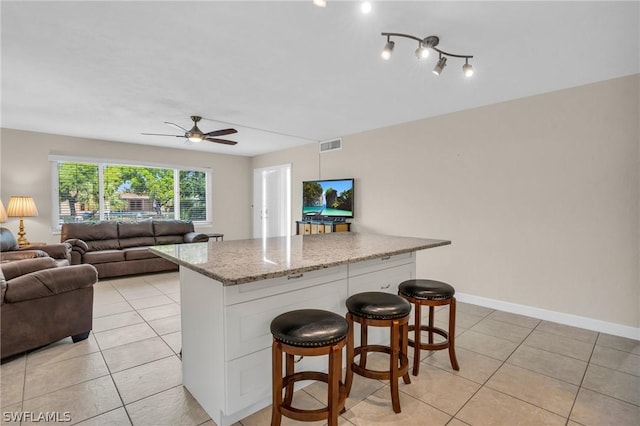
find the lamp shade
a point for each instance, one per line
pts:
(21, 206)
(3, 213)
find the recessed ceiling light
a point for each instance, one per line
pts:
(320, 3)
(365, 7)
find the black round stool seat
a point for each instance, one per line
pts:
(426, 289)
(309, 327)
(378, 305)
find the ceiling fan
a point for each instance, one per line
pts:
(196, 135)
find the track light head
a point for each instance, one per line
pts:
(467, 69)
(422, 52)
(388, 49)
(442, 62)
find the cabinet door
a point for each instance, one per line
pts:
(248, 324)
(328, 229)
(385, 280)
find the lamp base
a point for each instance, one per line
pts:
(22, 241)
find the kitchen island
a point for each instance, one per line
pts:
(230, 291)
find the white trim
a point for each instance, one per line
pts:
(121, 162)
(559, 317)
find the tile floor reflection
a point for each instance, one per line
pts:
(514, 370)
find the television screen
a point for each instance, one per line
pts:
(327, 198)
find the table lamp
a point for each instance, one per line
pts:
(3, 213)
(21, 206)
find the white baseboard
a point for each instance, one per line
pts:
(559, 317)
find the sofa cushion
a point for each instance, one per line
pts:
(7, 240)
(143, 228)
(90, 231)
(103, 256)
(172, 227)
(169, 239)
(137, 253)
(98, 245)
(136, 242)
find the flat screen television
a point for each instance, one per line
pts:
(330, 198)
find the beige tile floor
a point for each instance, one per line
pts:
(514, 370)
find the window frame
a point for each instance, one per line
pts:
(54, 159)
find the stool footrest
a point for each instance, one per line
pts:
(375, 374)
(317, 414)
(430, 346)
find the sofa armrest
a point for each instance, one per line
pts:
(78, 245)
(195, 237)
(11, 270)
(22, 254)
(50, 282)
(57, 251)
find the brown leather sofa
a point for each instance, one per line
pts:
(41, 303)
(122, 248)
(9, 250)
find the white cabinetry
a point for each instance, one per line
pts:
(226, 338)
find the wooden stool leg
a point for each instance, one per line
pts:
(452, 334)
(431, 325)
(350, 355)
(276, 391)
(394, 365)
(364, 341)
(289, 369)
(335, 371)
(404, 349)
(417, 338)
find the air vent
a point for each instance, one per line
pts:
(331, 145)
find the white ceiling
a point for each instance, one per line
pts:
(289, 73)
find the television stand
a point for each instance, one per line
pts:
(321, 226)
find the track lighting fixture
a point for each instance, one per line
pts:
(442, 62)
(422, 52)
(388, 49)
(467, 69)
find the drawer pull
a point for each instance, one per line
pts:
(295, 277)
(298, 360)
(384, 287)
(385, 258)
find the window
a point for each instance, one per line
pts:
(91, 190)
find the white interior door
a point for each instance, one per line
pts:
(272, 201)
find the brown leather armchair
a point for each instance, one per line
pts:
(9, 250)
(41, 303)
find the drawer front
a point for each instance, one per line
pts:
(373, 265)
(248, 324)
(386, 280)
(265, 288)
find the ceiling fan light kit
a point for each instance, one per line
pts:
(195, 135)
(422, 52)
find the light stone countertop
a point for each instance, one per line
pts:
(241, 261)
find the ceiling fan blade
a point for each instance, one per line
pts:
(161, 134)
(176, 126)
(221, 132)
(224, 141)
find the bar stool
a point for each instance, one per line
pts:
(307, 332)
(430, 293)
(378, 309)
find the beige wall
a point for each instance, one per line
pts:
(540, 197)
(25, 170)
